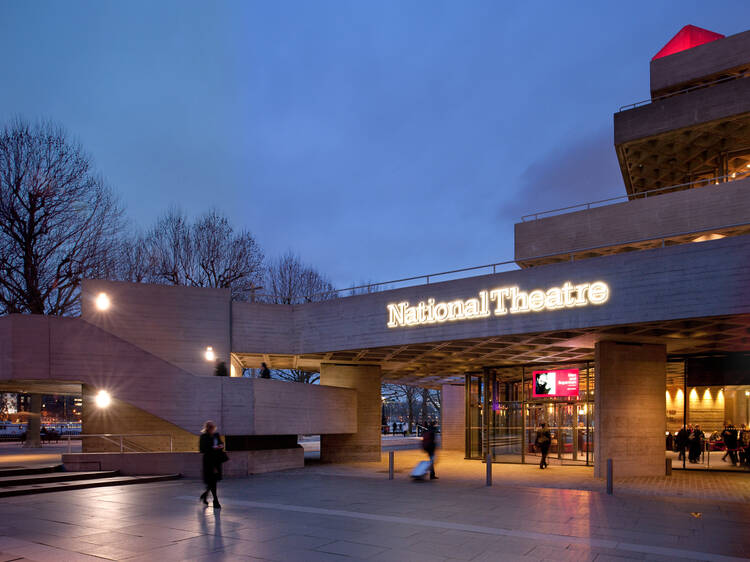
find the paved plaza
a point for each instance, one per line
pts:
(334, 512)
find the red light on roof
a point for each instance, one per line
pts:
(687, 38)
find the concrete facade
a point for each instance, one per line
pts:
(175, 325)
(700, 64)
(240, 464)
(694, 210)
(364, 445)
(679, 112)
(629, 408)
(453, 417)
(146, 388)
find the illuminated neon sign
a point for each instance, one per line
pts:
(497, 302)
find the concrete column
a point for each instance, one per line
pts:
(629, 416)
(33, 438)
(453, 417)
(365, 444)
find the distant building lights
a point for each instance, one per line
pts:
(102, 399)
(102, 301)
(210, 355)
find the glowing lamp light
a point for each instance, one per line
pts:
(102, 301)
(102, 399)
(210, 355)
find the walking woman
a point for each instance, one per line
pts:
(212, 448)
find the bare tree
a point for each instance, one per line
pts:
(204, 253)
(289, 281)
(58, 221)
(405, 393)
(296, 375)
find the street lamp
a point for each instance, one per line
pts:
(102, 399)
(102, 301)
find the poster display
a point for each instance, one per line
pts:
(552, 384)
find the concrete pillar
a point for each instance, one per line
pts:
(453, 417)
(33, 438)
(629, 414)
(365, 444)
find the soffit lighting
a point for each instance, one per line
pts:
(707, 237)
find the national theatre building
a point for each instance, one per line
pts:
(617, 322)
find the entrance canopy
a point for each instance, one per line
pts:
(434, 364)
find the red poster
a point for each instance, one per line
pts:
(548, 384)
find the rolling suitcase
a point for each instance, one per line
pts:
(421, 470)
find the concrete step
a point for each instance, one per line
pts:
(22, 470)
(22, 490)
(28, 479)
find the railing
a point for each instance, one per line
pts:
(113, 438)
(684, 91)
(492, 268)
(643, 194)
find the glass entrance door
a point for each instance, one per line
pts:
(572, 441)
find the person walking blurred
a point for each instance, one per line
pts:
(212, 448)
(428, 444)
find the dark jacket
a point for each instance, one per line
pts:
(428, 441)
(543, 439)
(682, 437)
(212, 458)
(729, 435)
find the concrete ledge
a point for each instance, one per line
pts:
(241, 463)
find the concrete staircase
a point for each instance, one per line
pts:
(39, 480)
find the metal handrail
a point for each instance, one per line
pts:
(644, 194)
(662, 239)
(122, 437)
(683, 91)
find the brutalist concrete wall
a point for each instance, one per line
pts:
(174, 323)
(629, 415)
(686, 67)
(666, 214)
(453, 417)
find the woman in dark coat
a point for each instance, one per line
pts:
(212, 448)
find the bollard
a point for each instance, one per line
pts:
(668, 469)
(489, 470)
(609, 477)
(390, 465)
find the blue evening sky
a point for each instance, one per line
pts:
(376, 139)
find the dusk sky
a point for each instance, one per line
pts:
(376, 139)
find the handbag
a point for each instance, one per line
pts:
(221, 456)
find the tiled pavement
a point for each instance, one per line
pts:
(310, 515)
(729, 486)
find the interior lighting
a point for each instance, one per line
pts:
(707, 237)
(707, 394)
(210, 355)
(102, 301)
(102, 399)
